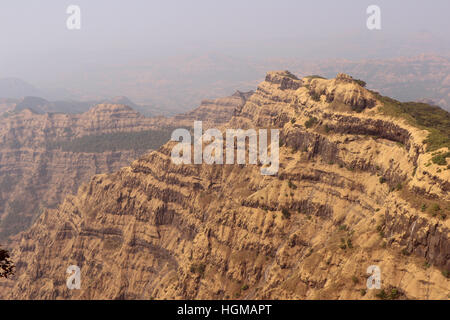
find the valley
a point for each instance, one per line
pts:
(45, 157)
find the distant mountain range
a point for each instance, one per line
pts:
(66, 149)
(17, 88)
(421, 78)
(363, 182)
(177, 84)
(40, 105)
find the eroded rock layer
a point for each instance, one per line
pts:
(37, 171)
(348, 195)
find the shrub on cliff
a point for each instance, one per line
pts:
(424, 116)
(360, 82)
(286, 213)
(315, 96)
(441, 159)
(311, 122)
(6, 265)
(140, 140)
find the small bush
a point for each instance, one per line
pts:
(349, 243)
(360, 82)
(7, 267)
(435, 208)
(405, 252)
(392, 294)
(198, 268)
(292, 185)
(311, 122)
(382, 295)
(315, 96)
(286, 213)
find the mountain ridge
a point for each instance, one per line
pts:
(340, 203)
(44, 157)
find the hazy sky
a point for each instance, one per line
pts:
(36, 45)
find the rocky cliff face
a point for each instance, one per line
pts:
(214, 112)
(350, 193)
(35, 173)
(32, 176)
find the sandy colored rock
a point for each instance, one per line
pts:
(159, 230)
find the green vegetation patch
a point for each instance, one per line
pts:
(392, 294)
(292, 185)
(198, 268)
(286, 213)
(311, 122)
(441, 159)
(315, 96)
(141, 140)
(421, 115)
(360, 82)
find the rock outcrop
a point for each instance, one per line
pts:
(35, 173)
(344, 199)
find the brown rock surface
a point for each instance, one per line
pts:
(34, 176)
(160, 230)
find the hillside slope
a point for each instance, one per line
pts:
(44, 157)
(356, 187)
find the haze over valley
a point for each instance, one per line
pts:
(224, 150)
